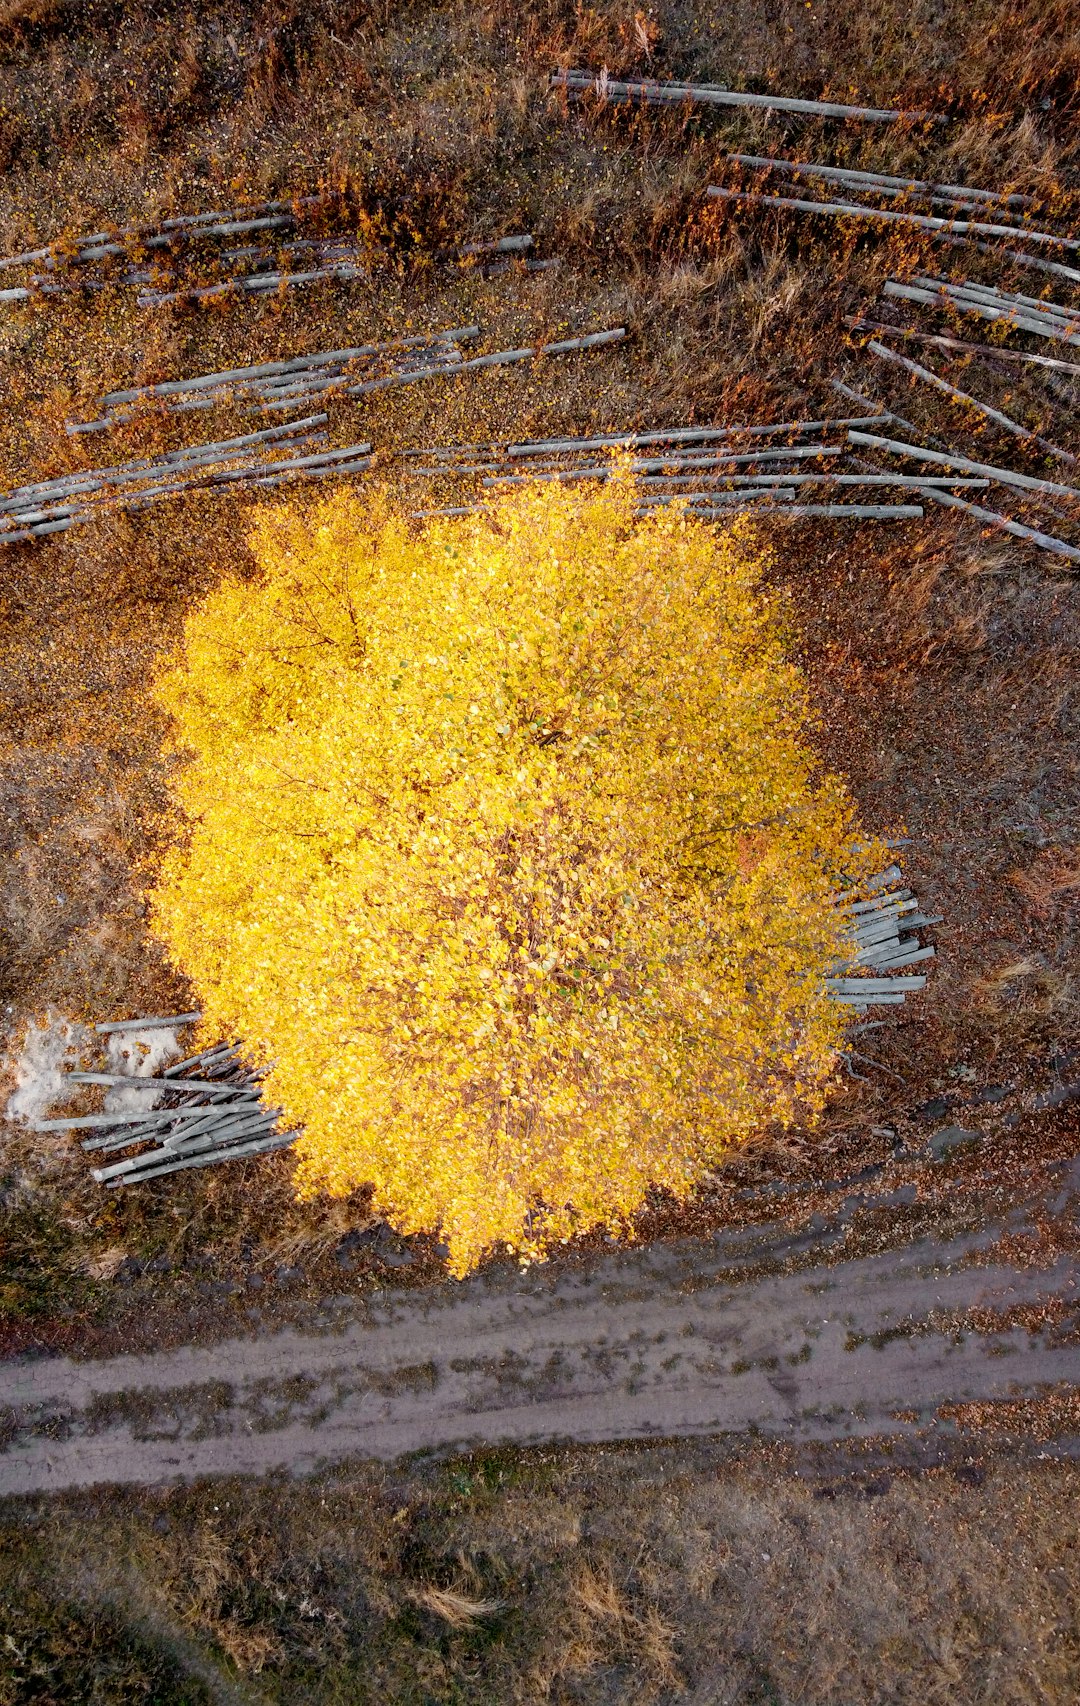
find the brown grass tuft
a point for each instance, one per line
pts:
(103, 1264)
(1024, 990)
(1050, 881)
(250, 1650)
(608, 1626)
(456, 1609)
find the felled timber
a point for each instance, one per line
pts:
(835, 512)
(648, 90)
(1017, 257)
(453, 454)
(713, 471)
(1004, 476)
(953, 459)
(890, 215)
(251, 284)
(960, 195)
(1005, 524)
(46, 507)
(163, 233)
(289, 383)
(68, 263)
(1019, 313)
(992, 352)
(170, 1022)
(1004, 421)
(209, 1110)
(1037, 306)
(882, 925)
(727, 459)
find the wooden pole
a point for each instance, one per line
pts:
(922, 221)
(723, 459)
(261, 1146)
(674, 435)
(700, 502)
(1003, 476)
(1045, 541)
(1037, 305)
(1042, 326)
(191, 224)
(33, 512)
(920, 481)
(712, 94)
(156, 1023)
(252, 285)
(838, 512)
(907, 185)
(498, 358)
(1016, 256)
(996, 352)
(272, 369)
(1004, 421)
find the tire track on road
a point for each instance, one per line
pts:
(673, 1339)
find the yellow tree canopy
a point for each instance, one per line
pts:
(508, 854)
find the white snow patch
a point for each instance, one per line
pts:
(39, 1067)
(140, 1054)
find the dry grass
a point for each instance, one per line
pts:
(605, 1628)
(456, 1610)
(1051, 880)
(582, 1580)
(1015, 994)
(105, 1264)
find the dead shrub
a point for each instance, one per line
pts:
(1050, 881)
(1024, 988)
(606, 1626)
(457, 1610)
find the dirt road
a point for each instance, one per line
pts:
(757, 1329)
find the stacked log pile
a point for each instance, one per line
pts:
(998, 223)
(882, 922)
(782, 466)
(256, 459)
(200, 1112)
